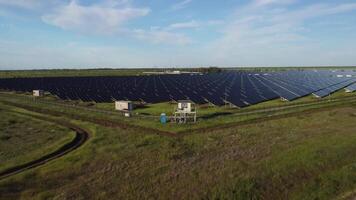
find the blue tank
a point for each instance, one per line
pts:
(163, 118)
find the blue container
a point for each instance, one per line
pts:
(163, 118)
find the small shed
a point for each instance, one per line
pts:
(124, 105)
(185, 112)
(38, 93)
(184, 106)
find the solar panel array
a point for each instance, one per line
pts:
(238, 88)
(351, 88)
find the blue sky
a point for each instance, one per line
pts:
(38, 34)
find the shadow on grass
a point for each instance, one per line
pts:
(213, 115)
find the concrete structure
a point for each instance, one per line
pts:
(185, 106)
(38, 93)
(284, 99)
(350, 89)
(185, 112)
(315, 95)
(124, 105)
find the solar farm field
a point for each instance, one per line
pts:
(286, 134)
(239, 89)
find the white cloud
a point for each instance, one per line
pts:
(30, 4)
(184, 25)
(21, 3)
(258, 35)
(169, 34)
(109, 17)
(158, 36)
(180, 5)
(271, 2)
(98, 18)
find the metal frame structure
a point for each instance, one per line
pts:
(185, 114)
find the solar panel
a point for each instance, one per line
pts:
(351, 88)
(238, 88)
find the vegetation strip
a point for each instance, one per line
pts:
(261, 119)
(80, 138)
(107, 123)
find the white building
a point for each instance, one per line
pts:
(185, 112)
(38, 93)
(124, 105)
(184, 106)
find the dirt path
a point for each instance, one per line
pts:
(80, 138)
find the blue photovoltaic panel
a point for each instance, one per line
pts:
(351, 88)
(329, 90)
(238, 88)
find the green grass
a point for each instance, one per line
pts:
(83, 72)
(207, 110)
(71, 72)
(208, 116)
(23, 139)
(136, 71)
(290, 158)
(168, 108)
(307, 155)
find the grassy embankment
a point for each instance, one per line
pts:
(309, 156)
(23, 139)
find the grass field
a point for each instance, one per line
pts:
(308, 156)
(69, 72)
(137, 71)
(82, 72)
(23, 139)
(273, 150)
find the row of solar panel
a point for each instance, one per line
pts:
(351, 88)
(329, 90)
(238, 88)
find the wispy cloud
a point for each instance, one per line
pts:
(108, 18)
(271, 2)
(97, 18)
(21, 3)
(180, 5)
(158, 36)
(184, 25)
(262, 34)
